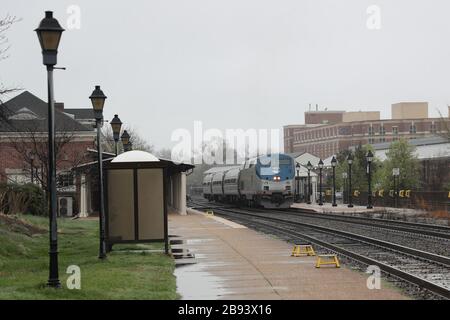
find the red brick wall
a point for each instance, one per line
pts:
(73, 153)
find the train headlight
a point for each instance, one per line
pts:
(276, 178)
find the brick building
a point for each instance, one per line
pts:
(23, 141)
(326, 133)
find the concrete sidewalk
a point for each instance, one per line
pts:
(234, 262)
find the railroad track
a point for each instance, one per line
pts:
(424, 269)
(431, 230)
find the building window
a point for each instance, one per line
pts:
(382, 133)
(412, 128)
(65, 179)
(433, 127)
(371, 131)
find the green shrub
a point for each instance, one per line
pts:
(17, 199)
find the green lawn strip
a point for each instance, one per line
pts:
(124, 275)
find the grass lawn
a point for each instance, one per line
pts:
(124, 275)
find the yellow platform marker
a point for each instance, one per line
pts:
(327, 259)
(209, 213)
(303, 249)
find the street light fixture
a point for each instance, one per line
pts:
(309, 166)
(333, 165)
(369, 158)
(320, 182)
(98, 101)
(125, 140)
(49, 33)
(297, 194)
(116, 125)
(350, 196)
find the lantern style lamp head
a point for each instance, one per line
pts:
(320, 164)
(125, 138)
(333, 162)
(309, 165)
(369, 156)
(49, 34)
(98, 101)
(350, 159)
(116, 125)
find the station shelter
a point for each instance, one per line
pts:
(87, 182)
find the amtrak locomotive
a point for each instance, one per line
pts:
(266, 181)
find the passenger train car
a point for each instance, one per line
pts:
(266, 181)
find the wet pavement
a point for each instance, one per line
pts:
(219, 259)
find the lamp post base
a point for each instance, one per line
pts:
(350, 206)
(370, 207)
(334, 204)
(54, 283)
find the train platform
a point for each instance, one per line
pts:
(341, 208)
(376, 212)
(220, 259)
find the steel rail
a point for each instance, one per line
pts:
(381, 223)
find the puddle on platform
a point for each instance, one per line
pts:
(197, 241)
(195, 283)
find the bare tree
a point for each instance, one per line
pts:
(31, 150)
(444, 130)
(5, 24)
(138, 142)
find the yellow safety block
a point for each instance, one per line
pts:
(402, 193)
(303, 249)
(381, 193)
(209, 213)
(356, 193)
(449, 194)
(327, 259)
(408, 193)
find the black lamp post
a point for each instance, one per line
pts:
(297, 194)
(369, 158)
(344, 195)
(116, 125)
(396, 175)
(333, 165)
(125, 140)
(49, 34)
(309, 166)
(98, 101)
(350, 196)
(320, 182)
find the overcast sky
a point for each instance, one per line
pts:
(236, 63)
